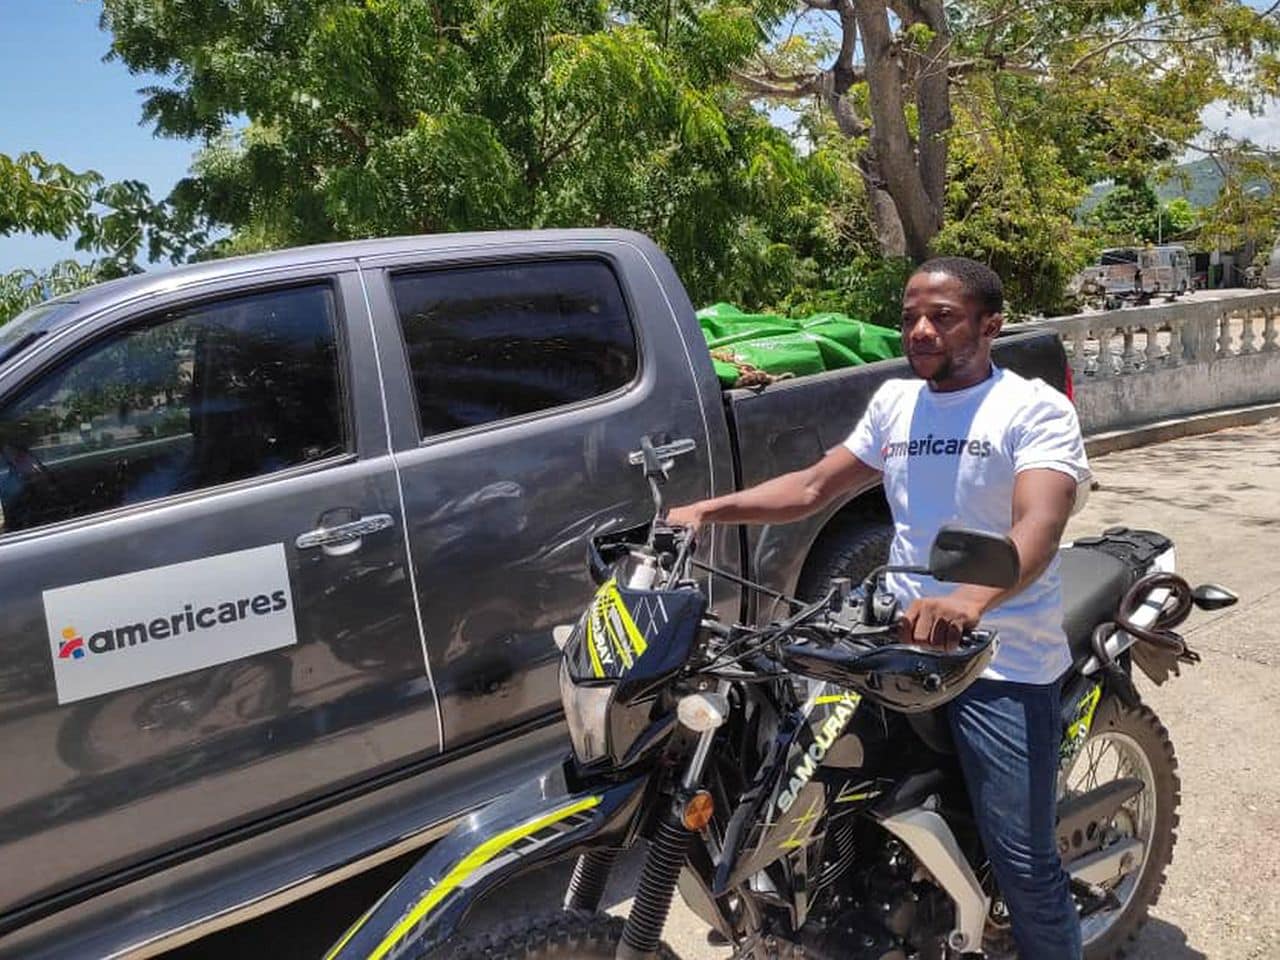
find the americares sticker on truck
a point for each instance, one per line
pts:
(120, 632)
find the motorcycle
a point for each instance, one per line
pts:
(796, 782)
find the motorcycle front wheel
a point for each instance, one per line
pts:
(1129, 742)
(566, 935)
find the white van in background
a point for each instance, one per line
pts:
(1136, 274)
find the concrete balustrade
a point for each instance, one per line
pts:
(1144, 364)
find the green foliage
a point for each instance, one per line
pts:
(399, 117)
(117, 223)
(1247, 208)
(20, 289)
(322, 120)
(1011, 197)
(1045, 99)
(868, 288)
(1131, 213)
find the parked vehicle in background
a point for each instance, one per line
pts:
(1135, 275)
(286, 538)
(1270, 275)
(1166, 270)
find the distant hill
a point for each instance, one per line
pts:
(1198, 181)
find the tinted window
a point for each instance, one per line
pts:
(1116, 257)
(489, 343)
(193, 398)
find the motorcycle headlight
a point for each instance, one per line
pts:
(586, 709)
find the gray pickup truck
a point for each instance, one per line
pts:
(285, 539)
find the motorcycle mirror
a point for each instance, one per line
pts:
(1210, 596)
(972, 556)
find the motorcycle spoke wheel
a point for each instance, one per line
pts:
(1128, 743)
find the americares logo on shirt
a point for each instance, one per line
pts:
(931, 446)
(953, 457)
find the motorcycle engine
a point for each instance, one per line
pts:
(878, 912)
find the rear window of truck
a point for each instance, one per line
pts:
(495, 342)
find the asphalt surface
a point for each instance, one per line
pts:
(1218, 496)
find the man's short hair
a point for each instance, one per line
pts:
(979, 281)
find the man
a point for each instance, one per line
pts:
(970, 444)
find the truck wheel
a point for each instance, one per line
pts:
(570, 935)
(852, 548)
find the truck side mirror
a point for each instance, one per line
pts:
(971, 556)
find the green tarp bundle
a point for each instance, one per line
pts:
(755, 348)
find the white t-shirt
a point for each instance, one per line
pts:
(951, 458)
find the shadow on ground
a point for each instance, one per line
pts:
(1164, 941)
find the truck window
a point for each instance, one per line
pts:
(192, 398)
(493, 342)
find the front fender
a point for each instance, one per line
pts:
(540, 821)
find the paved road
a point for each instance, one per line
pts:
(1219, 496)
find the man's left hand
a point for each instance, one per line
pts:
(940, 621)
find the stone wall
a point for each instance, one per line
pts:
(1145, 364)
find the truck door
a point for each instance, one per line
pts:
(525, 384)
(206, 611)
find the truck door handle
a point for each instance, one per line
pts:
(348, 535)
(664, 451)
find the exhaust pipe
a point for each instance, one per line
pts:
(1109, 865)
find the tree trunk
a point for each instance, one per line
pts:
(933, 104)
(839, 78)
(884, 213)
(913, 179)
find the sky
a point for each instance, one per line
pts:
(59, 98)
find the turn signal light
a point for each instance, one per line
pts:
(697, 812)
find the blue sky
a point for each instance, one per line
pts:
(58, 97)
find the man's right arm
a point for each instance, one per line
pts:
(791, 496)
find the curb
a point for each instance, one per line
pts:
(1103, 443)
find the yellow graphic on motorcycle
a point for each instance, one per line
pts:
(1078, 730)
(621, 626)
(607, 642)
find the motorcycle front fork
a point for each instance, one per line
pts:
(666, 856)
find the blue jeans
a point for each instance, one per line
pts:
(1007, 736)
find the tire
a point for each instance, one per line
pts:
(568, 935)
(1142, 728)
(852, 547)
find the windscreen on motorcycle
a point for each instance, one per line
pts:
(633, 635)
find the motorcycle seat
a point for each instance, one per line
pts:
(1093, 584)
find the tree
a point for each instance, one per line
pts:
(1247, 208)
(1115, 86)
(401, 116)
(118, 223)
(1131, 213)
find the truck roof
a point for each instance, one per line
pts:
(163, 281)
